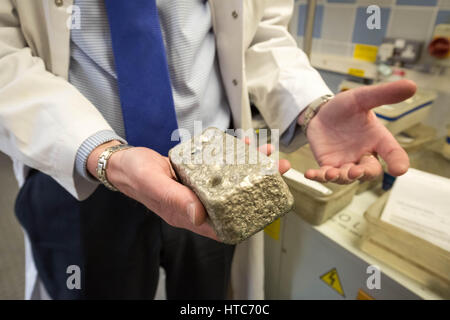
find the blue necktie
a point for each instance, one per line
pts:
(143, 76)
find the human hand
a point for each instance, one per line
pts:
(148, 177)
(345, 134)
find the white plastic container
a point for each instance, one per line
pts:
(417, 258)
(430, 159)
(315, 202)
(416, 137)
(401, 116)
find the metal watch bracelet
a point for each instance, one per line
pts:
(102, 164)
(313, 109)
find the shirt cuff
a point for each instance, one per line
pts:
(293, 138)
(88, 146)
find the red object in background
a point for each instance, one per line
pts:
(398, 72)
(439, 48)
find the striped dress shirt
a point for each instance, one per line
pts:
(193, 67)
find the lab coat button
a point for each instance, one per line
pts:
(59, 3)
(235, 14)
(235, 82)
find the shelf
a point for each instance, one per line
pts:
(344, 65)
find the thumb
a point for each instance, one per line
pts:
(180, 203)
(369, 97)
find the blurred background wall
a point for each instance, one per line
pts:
(340, 24)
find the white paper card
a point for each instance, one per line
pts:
(419, 203)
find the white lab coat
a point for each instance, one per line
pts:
(44, 119)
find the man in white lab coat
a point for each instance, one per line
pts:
(45, 119)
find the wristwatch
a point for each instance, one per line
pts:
(313, 109)
(102, 164)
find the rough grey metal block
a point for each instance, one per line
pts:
(240, 187)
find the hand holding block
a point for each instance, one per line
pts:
(240, 188)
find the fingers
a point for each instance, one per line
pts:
(369, 97)
(356, 172)
(340, 175)
(367, 169)
(180, 207)
(283, 166)
(267, 149)
(344, 174)
(177, 204)
(318, 174)
(331, 174)
(397, 161)
(395, 157)
(205, 230)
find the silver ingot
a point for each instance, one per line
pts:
(240, 188)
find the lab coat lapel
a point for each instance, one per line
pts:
(247, 278)
(227, 18)
(58, 22)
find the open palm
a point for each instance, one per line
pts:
(345, 133)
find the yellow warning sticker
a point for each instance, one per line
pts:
(365, 52)
(273, 229)
(356, 72)
(362, 295)
(331, 278)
